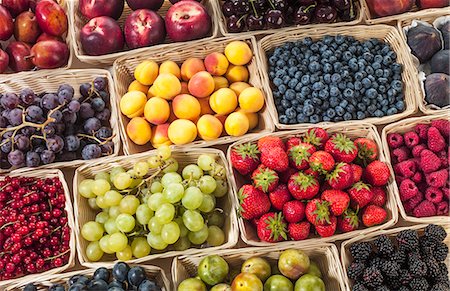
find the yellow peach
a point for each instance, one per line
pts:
(166, 86)
(238, 87)
(237, 124)
(184, 88)
(132, 103)
(216, 64)
(223, 101)
(160, 135)
(190, 67)
(253, 118)
(186, 106)
(139, 130)
(201, 84)
(204, 106)
(136, 86)
(170, 67)
(237, 74)
(251, 100)
(209, 127)
(238, 53)
(157, 110)
(146, 72)
(220, 82)
(182, 131)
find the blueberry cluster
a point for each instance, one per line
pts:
(336, 78)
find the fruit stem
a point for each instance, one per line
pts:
(254, 8)
(57, 256)
(271, 4)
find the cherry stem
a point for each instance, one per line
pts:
(254, 8)
(271, 4)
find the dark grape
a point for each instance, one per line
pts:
(120, 271)
(56, 287)
(39, 149)
(85, 89)
(55, 144)
(49, 101)
(65, 93)
(47, 157)
(72, 143)
(69, 117)
(9, 100)
(104, 115)
(33, 159)
(98, 104)
(91, 151)
(22, 142)
(148, 285)
(34, 113)
(136, 275)
(92, 125)
(66, 156)
(57, 115)
(103, 133)
(28, 130)
(100, 83)
(86, 111)
(16, 158)
(15, 117)
(74, 106)
(104, 95)
(49, 129)
(27, 96)
(3, 122)
(107, 148)
(59, 128)
(6, 146)
(101, 274)
(30, 287)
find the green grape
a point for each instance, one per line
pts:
(193, 220)
(114, 211)
(143, 214)
(216, 237)
(154, 162)
(129, 204)
(172, 167)
(173, 192)
(205, 162)
(135, 183)
(199, 237)
(156, 187)
(93, 251)
(92, 231)
(100, 187)
(112, 198)
(102, 176)
(221, 188)
(192, 198)
(92, 202)
(104, 245)
(140, 247)
(117, 242)
(102, 217)
(165, 213)
(122, 181)
(183, 230)
(207, 184)
(156, 200)
(182, 244)
(192, 172)
(216, 218)
(164, 152)
(100, 200)
(85, 188)
(156, 241)
(170, 232)
(125, 222)
(110, 226)
(125, 255)
(154, 226)
(141, 169)
(170, 178)
(208, 203)
(115, 171)
(218, 172)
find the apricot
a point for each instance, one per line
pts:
(253, 118)
(238, 53)
(223, 101)
(136, 86)
(184, 88)
(251, 100)
(139, 130)
(204, 106)
(238, 87)
(182, 131)
(170, 67)
(237, 124)
(160, 135)
(209, 127)
(237, 74)
(201, 84)
(190, 67)
(220, 82)
(216, 64)
(146, 72)
(166, 86)
(132, 103)
(150, 93)
(157, 110)
(186, 106)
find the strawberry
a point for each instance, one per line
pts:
(299, 155)
(379, 196)
(321, 161)
(377, 173)
(373, 215)
(341, 177)
(357, 172)
(275, 159)
(252, 202)
(316, 136)
(342, 148)
(294, 211)
(435, 141)
(311, 172)
(349, 221)
(303, 186)
(272, 227)
(265, 179)
(299, 231)
(367, 150)
(286, 175)
(293, 141)
(327, 229)
(339, 201)
(280, 196)
(317, 211)
(360, 194)
(270, 142)
(245, 158)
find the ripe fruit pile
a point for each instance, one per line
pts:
(421, 164)
(34, 231)
(408, 262)
(380, 8)
(38, 35)
(293, 267)
(245, 15)
(123, 278)
(185, 20)
(141, 212)
(310, 181)
(200, 98)
(39, 129)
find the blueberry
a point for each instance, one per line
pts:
(292, 62)
(348, 116)
(290, 94)
(334, 101)
(339, 110)
(360, 115)
(354, 67)
(351, 108)
(314, 118)
(350, 86)
(290, 113)
(273, 60)
(301, 118)
(337, 66)
(326, 118)
(397, 68)
(371, 108)
(276, 94)
(280, 63)
(361, 106)
(299, 108)
(333, 59)
(375, 85)
(283, 119)
(378, 59)
(296, 51)
(30, 287)
(369, 70)
(392, 111)
(371, 93)
(343, 103)
(339, 39)
(282, 88)
(314, 47)
(378, 113)
(397, 85)
(315, 78)
(345, 74)
(318, 86)
(376, 66)
(358, 85)
(285, 103)
(308, 110)
(400, 105)
(382, 80)
(314, 67)
(277, 81)
(327, 78)
(294, 102)
(323, 94)
(335, 78)
(334, 91)
(307, 41)
(331, 113)
(305, 91)
(342, 86)
(327, 68)
(286, 79)
(305, 79)
(292, 71)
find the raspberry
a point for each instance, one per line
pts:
(384, 245)
(436, 142)
(411, 139)
(413, 202)
(418, 149)
(437, 179)
(395, 140)
(446, 192)
(421, 130)
(408, 190)
(443, 126)
(406, 169)
(429, 162)
(442, 208)
(417, 178)
(433, 195)
(355, 270)
(443, 157)
(379, 196)
(361, 251)
(372, 277)
(400, 154)
(408, 240)
(419, 284)
(425, 209)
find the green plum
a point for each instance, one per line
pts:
(258, 266)
(314, 269)
(192, 284)
(246, 282)
(275, 270)
(293, 263)
(213, 270)
(309, 282)
(278, 283)
(221, 287)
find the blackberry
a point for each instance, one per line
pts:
(377, 262)
(419, 284)
(384, 245)
(440, 287)
(361, 251)
(359, 287)
(390, 268)
(399, 257)
(432, 266)
(405, 277)
(435, 232)
(372, 277)
(442, 275)
(427, 246)
(408, 240)
(355, 270)
(393, 282)
(403, 288)
(417, 267)
(382, 288)
(440, 252)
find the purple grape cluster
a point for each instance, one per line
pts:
(39, 129)
(243, 15)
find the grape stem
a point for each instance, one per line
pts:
(96, 139)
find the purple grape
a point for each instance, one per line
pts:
(47, 157)
(39, 149)
(49, 101)
(86, 111)
(98, 104)
(66, 87)
(57, 115)
(9, 100)
(66, 156)
(72, 143)
(55, 144)
(74, 106)
(16, 158)
(33, 159)
(104, 95)
(103, 133)
(15, 117)
(91, 151)
(69, 117)
(49, 129)
(100, 83)
(3, 122)
(28, 130)
(6, 146)
(22, 142)
(27, 96)
(85, 89)
(64, 96)
(34, 113)
(107, 148)
(104, 115)
(59, 128)
(92, 125)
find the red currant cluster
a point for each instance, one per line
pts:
(34, 231)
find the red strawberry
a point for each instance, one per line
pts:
(280, 196)
(294, 211)
(311, 172)
(436, 142)
(245, 158)
(342, 148)
(293, 141)
(272, 227)
(349, 221)
(299, 155)
(253, 202)
(361, 194)
(357, 172)
(275, 159)
(317, 211)
(367, 150)
(379, 196)
(299, 231)
(303, 186)
(341, 177)
(286, 175)
(321, 161)
(270, 142)
(327, 229)
(316, 136)
(373, 215)
(339, 201)
(265, 179)
(377, 173)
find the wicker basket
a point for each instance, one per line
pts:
(360, 15)
(346, 257)
(428, 16)
(248, 231)
(153, 272)
(124, 75)
(402, 127)
(42, 174)
(184, 157)
(324, 254)
(50, 81)
(360, 32)
(79, 21)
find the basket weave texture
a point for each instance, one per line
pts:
(352, 130)
(124, 74)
